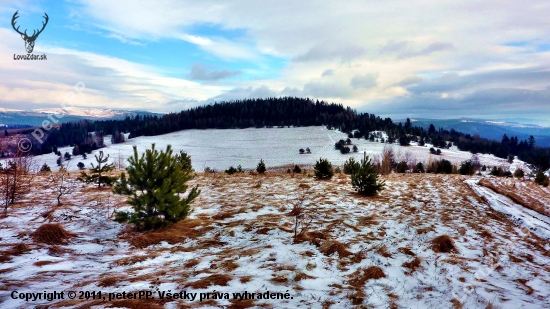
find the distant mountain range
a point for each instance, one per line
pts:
(35, 117)
(489, 128)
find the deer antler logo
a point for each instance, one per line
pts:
(29, 40)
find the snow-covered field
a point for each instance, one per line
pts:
(219, 149)
(239, 238)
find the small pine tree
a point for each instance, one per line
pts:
(323, 169)
(302, 151)
(355, 149)
(308, 151)
(156, 185)
(84, 156)
(351, 166)
(261, 167)
(401, 167)
(45, 168)
(185, 161)
(80, 165)
(67, 156)
(365, 180)
(466, 168)
(518, 173)
(231, 170)
(540, 178)
(297, 169)
(419, 168)
(98, 173)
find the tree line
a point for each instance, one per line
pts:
(293, 111)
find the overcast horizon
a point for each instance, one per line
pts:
(421, 59)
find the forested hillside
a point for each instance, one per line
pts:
(292, 111)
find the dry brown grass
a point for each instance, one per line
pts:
(523, 282)
(413, 265)
(383, 251)
(191, 263)
(51, 234)
(514, 194)
(215, 279)
(245, 279)
(406, 250)
(444, 244)
(137, 304)
(176, 233)
(107, 281)
(42, 263)
(456, 304)
(301, 276)
(330, 247)
(241, 304)
(362, 275)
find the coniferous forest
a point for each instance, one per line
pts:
(291, 111)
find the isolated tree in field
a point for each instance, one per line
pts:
(156, 184)
(323, 169)
(365, 179)
(518, 173)
(80, 165)
(308, 151)
(62, 183)
(296, 169)
(45, 168)
(98, 173)
(261, 167)
(351, 166)
(302, 151)
(67, 156)
(355, 149)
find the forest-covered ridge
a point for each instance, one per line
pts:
(291, 111)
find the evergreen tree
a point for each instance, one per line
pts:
(67, 156)
(350, 166)
(323, 169)
(297, 169)
(365, 179)
(185, 161)
(466, 168)
(518, 173)
(302, 151)
(355, 149)
(80, 165)
(308, 151)
(98, 173)
(401, 167)
(45, 168)
(261, 167)
(155, 184)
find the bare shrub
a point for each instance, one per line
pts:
(330, 247)
(62, 183)
(387, 161)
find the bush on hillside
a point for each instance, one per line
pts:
(351, 166)
(261, 167)
(323, 169)
(156, 184)
(365, 179)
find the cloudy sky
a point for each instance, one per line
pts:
(423, 58)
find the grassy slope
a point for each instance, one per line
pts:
(374, 251)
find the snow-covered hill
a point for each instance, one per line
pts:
(220, 149)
